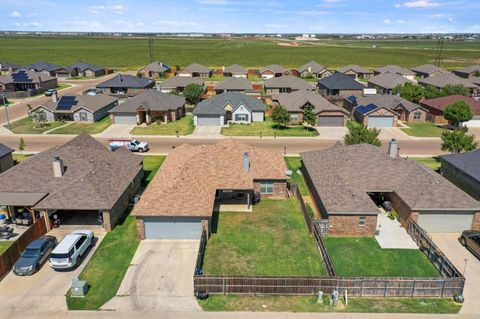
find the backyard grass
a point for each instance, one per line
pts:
(294, 164)
(423, 130)
(309, 304)
(431, 162)
(4, 244)
(267, 128)
(363, 257)
(184, 126)
(151, 164)
(90, 128)
(26, 126)
(18, 158)
(272, 240)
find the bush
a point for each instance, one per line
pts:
(310, 211)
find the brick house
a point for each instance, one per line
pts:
(355, 71)
(348, 183)
(6, 157)
(195, 70)
(154, 70)
(272, 71)
(395, 69)
(440, 81)
(463, 170)
(196, 181)
(427, 70)
(436, 106)
(384, 83)
(339, 84)
(314, 68)
(124, 85)
(468, 72)
(286, 84)
(24, 83)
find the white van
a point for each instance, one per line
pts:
(68, 253)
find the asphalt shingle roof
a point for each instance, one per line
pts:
(82, 67)
(394, 69)
(5, 150)
(32, 77)
(340, 81)
(92, 103)
(294, 101)
(5, 66)
(235, 69)
(388, 101)
(157, 66)
(126, 81)
(353, 67)
(216, 104)
(428, 69)
(342, 176)
(151, 99)
(287, 81)
(234, 83)
(440, 103)
(275, 68)
(197, 68)
(44, 66)
(180, 82)
(314, 66)
(468, 162)
(389, 80)
(469, 69)
(442, 80)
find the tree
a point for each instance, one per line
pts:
(456, 89)
(309, 116)
(458, 112)
(358, 134)
(477, 73)
(193, 92)
(39, 118)
(410, 92)
(280, 116)
(21, 144)
(458, 141)
(308, 75)
(431, 92)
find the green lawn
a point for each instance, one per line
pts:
(309, 304)
(151, 164)
(4, 244)
(184, 126)
(18, 158)
(363, 257)
(267, 128)
(26, 126)
(431, 162)
(62, 86)
(90, 128)
(423, 130)
(272, 240)
(294, 164)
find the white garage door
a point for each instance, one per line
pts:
(442, 222)
(172, 228)
(208, 121)
(126, 119)
(380, 121)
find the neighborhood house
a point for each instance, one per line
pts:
(427, 70)
(6, 158)
(235, 70)
(125, 85)
(395, 69)
(384, 83)
(273, 70)
(464, 171)
(355, 71)
(195, 70)
(22, 83)
(154, 70)
(286, 84)
(312, 69)
(436, 107)
(178, 83)
(339, 84)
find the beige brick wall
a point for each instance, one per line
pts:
(476, 221)
(348, 225)
(279, 189)
(140, 228)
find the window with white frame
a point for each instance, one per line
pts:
(417, 115)
(241, 117)
(362, 220)
(294, 117)
(266, 187)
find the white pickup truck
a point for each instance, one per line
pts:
(131, 145)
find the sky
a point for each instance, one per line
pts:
(242, 16)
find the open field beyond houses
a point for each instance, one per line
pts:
(123, 53)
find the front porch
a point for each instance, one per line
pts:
(146, 116)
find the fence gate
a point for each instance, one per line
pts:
(322, 226)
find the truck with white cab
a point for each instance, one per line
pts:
(131, 145)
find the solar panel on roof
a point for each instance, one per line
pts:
(66, 102)
(21, 76)
(363, 109)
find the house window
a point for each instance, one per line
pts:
(266, 187)
(241, 117)
(83, 116)
(362, 220)
(417, 115)
(294, 117)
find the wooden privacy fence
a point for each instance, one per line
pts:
(10, 256)
(434, 254)
(323, 251)
(308, 219)
(200, 255)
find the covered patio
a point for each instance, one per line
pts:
(227, 200)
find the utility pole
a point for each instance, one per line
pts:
(6, 112)
(439, 51)
(150, 48)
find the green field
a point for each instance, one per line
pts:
(132, 53)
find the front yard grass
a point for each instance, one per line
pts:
(267, 128)
(90, 128)
(105, 271)
(363, 257)
(423, 130)
(272, 240)
(4, 244)
(294, 164)
(184, 126)
(431, 162)
(26, 126)
(309, 304)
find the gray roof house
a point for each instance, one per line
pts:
(233, 107)
(78, 179)
(286, 84)
(355, 71)
(235, 70)
(327, 113)
(23, 83)
(385, 82)
(468, 72)
(124, 85)
(234, 84)
(345, 181)
(85, 70)
(440, 81)
(148, 107)
(7, 67)
(463, 170)
(339, 84)
(273, 70)
(154, 69)
(6, 158)
(409, 74)
(178, 83)
(77, 108)
(195, 70)
(427, 70)
(316, 69)
(44, 67)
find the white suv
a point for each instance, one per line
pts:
(68, 253)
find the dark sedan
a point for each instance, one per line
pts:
(34, 256)
(471, 240)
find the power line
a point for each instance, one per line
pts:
(151, 52)
(439, 51)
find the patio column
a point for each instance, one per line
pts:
(248, 200)
(147, 117)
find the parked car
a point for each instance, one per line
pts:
(471, 240)
(34, 256)
(50, 92)
(70, 250)
(131, 145)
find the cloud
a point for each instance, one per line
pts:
(96, 9)
(275, 25)
(387, 21)
(175, 23)
(15, 14)
(418, 4)
(118, 9)
(214, 2)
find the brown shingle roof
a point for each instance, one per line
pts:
(391, 68)
(287, 81)
(441, 103)
(389, 80)
(442, 80)
(92, 103)
(353, 67)
(186, 183)
(428, 69)
(294, 101)
(95, 177)
(343, 175)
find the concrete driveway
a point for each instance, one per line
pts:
(117, 131)
(159, 278)
(45, 290)
(207, 132)
(457, 254)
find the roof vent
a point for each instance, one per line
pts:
(246, 162)
(393, 148)
(58, 167)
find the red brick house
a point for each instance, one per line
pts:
(435, 108)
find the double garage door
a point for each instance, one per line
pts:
(125, 118)
(208, 121)
(172, 228)
(445, 222)
(330, 120)
(380, 121)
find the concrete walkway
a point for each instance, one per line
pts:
(56, 128)
(392, 234)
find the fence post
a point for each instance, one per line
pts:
(443, 288)
(413, 288)
(386, 286)
(223, 285)
(361, 287)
